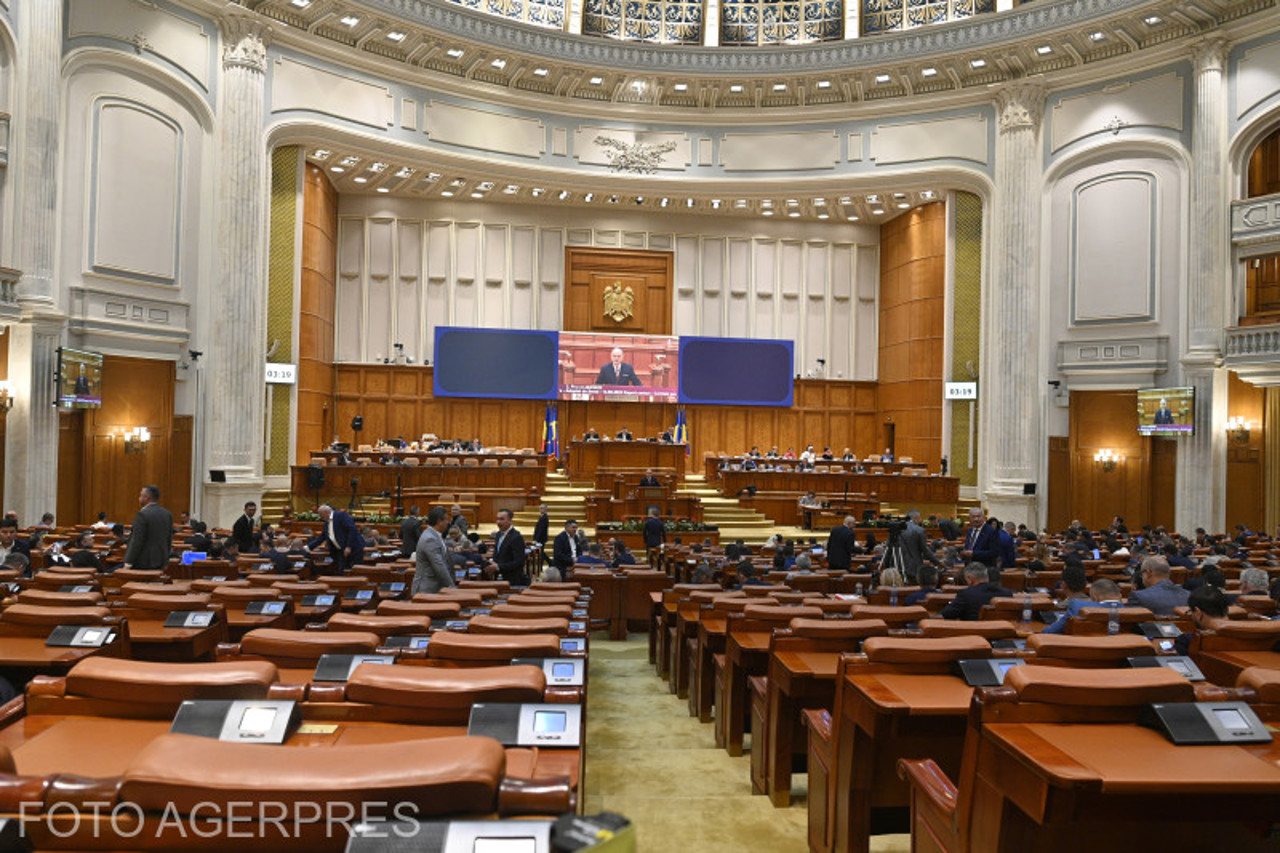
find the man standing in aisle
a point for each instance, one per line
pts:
(433, 570)
(841, 545)
(508, 552)
(655, 535)
(243, 531)
(343, 539)
(151, 539)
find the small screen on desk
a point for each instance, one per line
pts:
(257, 721)
(419, 642)
(1231, 719)
(1005, 666)
(189, 557)
(273, 607)
(549, 721)
(562, 670)
(93, 635)
(571, 645)
(1180, 667)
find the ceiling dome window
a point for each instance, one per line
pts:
(887, 16)
(749, 23)
(661, 21)
(539, 13)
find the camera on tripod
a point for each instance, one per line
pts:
(895, 532)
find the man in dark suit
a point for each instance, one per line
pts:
(841, 544)
(10, 542)
(624, 434)
(542, 526)
(968, 603)
(341, 537)
(151, 538)
(655, 534)
(508, 553)
(980, 540)
(915, 547)
(617, 371)
(950, 530)
(649, 480)
(410, 531)
(1159, 594)
(1164, 415)
(591, 435)
(564, 551)
(244, 531)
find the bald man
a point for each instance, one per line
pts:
(617, 371)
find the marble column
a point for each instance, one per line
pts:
(1010, 391)
(236, 352)
(31, 430)
(1271, 459)
(1202, 458)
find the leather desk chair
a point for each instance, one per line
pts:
(457, 649)
(297, 652)
(1087, 652)
(511, 610)
(882, 595)
(1093, 621)
(463, 598)
(174, 588)
(428, 609)
(988, 629)
(237, 598)
(503, 625)
(1239, 644)
(896, 617)
(383, 626)
(46, 598)
(52, 580)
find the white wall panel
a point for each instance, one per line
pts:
(1155, 102)
(484, 130)
(466, 254)
(1113, 274)
(409, 290)
(791, 268)
(134, 224)
(299, 86)
(686, 282)
(766, 279)
(437, 285)
(1257, 77)
(523, 243)
(550, 277)
(960, 138)
(779, 152)
(349, 319)
(378, 289)
(493, 313)
(165, 34)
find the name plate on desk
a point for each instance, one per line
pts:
(81, 636)
(189, 619)
(455, 624)
(358, 595)
(578, 627)
(265, 608)
(573, 645)
(528, 725)
(324, 599)
(1180, 664)
(459, 836)
(340, 667)
(407, 641)
(1017, 644)
(1198, 723)
(560, 672)
(238, 721)
(578, 614)
(1159, 630)
(395, 588)
(75, 587)
(987, 672)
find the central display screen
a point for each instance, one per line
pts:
(619, 368)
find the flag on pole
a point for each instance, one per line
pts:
(551, 432)
(682, 430)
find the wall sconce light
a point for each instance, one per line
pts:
(6, 398)
(1107, 459)
(136, 440)
(1238, 430)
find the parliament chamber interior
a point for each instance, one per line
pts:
(529, 426)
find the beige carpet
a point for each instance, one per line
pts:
(649, 760)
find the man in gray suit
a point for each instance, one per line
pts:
(432, 558)
(915, 547)
(1159, 594)
(151, 539)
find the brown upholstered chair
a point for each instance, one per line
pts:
(490, 649)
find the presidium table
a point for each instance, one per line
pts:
(587, 457)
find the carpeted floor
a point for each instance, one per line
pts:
(649, 760)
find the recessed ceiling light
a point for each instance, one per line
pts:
(878, 211)
(613, 199)
(791, 202)
(1044, 49)
(824, 216)
(383, 190)
(767, 203)
(681, 87)
(819, 202)
(454, 52)
(596, 81)
(349, 160)
(349, 20)
(741, 204)
(903, 205)
(476, 194)
(824, 84)
(688, 202)
(321, 153)
(589, 197)
(873, 199)
(499, 64)
(433, 176)
(639, 199)
(664, 202)
(447, 193)
(928, 194)
(1152, 20)
(377, 167)
(844, 199)
(404, 172)
(794, 214)
(883, 78)
(511, 189)
(485, 185)
(766, 212)
(540, 72)
(457, 183)
(337, 169)
(977, 63)
(361, 179)
(1097, 35)
(853, 217)
(396, 35)
(736, 88)
(779, 87)
(537, 192)
(899, 196)
(929, 72)
(301, 4)
(715, 204)
(564, 194)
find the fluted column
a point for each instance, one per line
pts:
(1202, 463)
(1271, 459)
(31, 441)
(236, 352)
(1011, 402)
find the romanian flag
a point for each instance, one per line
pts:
(551, 432)
(682, 430)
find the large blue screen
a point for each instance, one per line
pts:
(732, 371)
(514, 365)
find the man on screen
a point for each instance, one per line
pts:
(617, 371)
(1164, 415)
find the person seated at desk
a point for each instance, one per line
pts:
(390, 458)
(1159, 594)
(1207, 609)
(790, 454)
(808, 456)
(594, 556)
(801, 565)
(773, 453)
(968, 603)
(1254, 582)
(750, 464)
(457, 519)
(804, 466)
(773, 543)
(928, 577)
(617, 371)
(754, 453)
(648, 480)
(857, 468)
(590, 435)
(624, 434)
(887, 456)
(1103, 592)
(621, 556)
(827, 455)
(667, 436)
(848, 456)
(747, 575)
(808, 503)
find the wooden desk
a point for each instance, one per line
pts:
(585, 458)
(1119, 787)
(746, 653)
(152, 641)
(702, 689)
(890, 488)
(797, 680)
(375, 479)
(687, 507)
(30, 656)
(712, 465)
(887, 716)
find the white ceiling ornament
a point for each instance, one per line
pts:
(642, 158)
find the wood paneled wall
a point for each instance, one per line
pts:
(1264, 168)
(316, 425)
(1245, 497)
(647, 274)
(94, 472)
(397, 401)
(1140, 488)
(912, 311)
